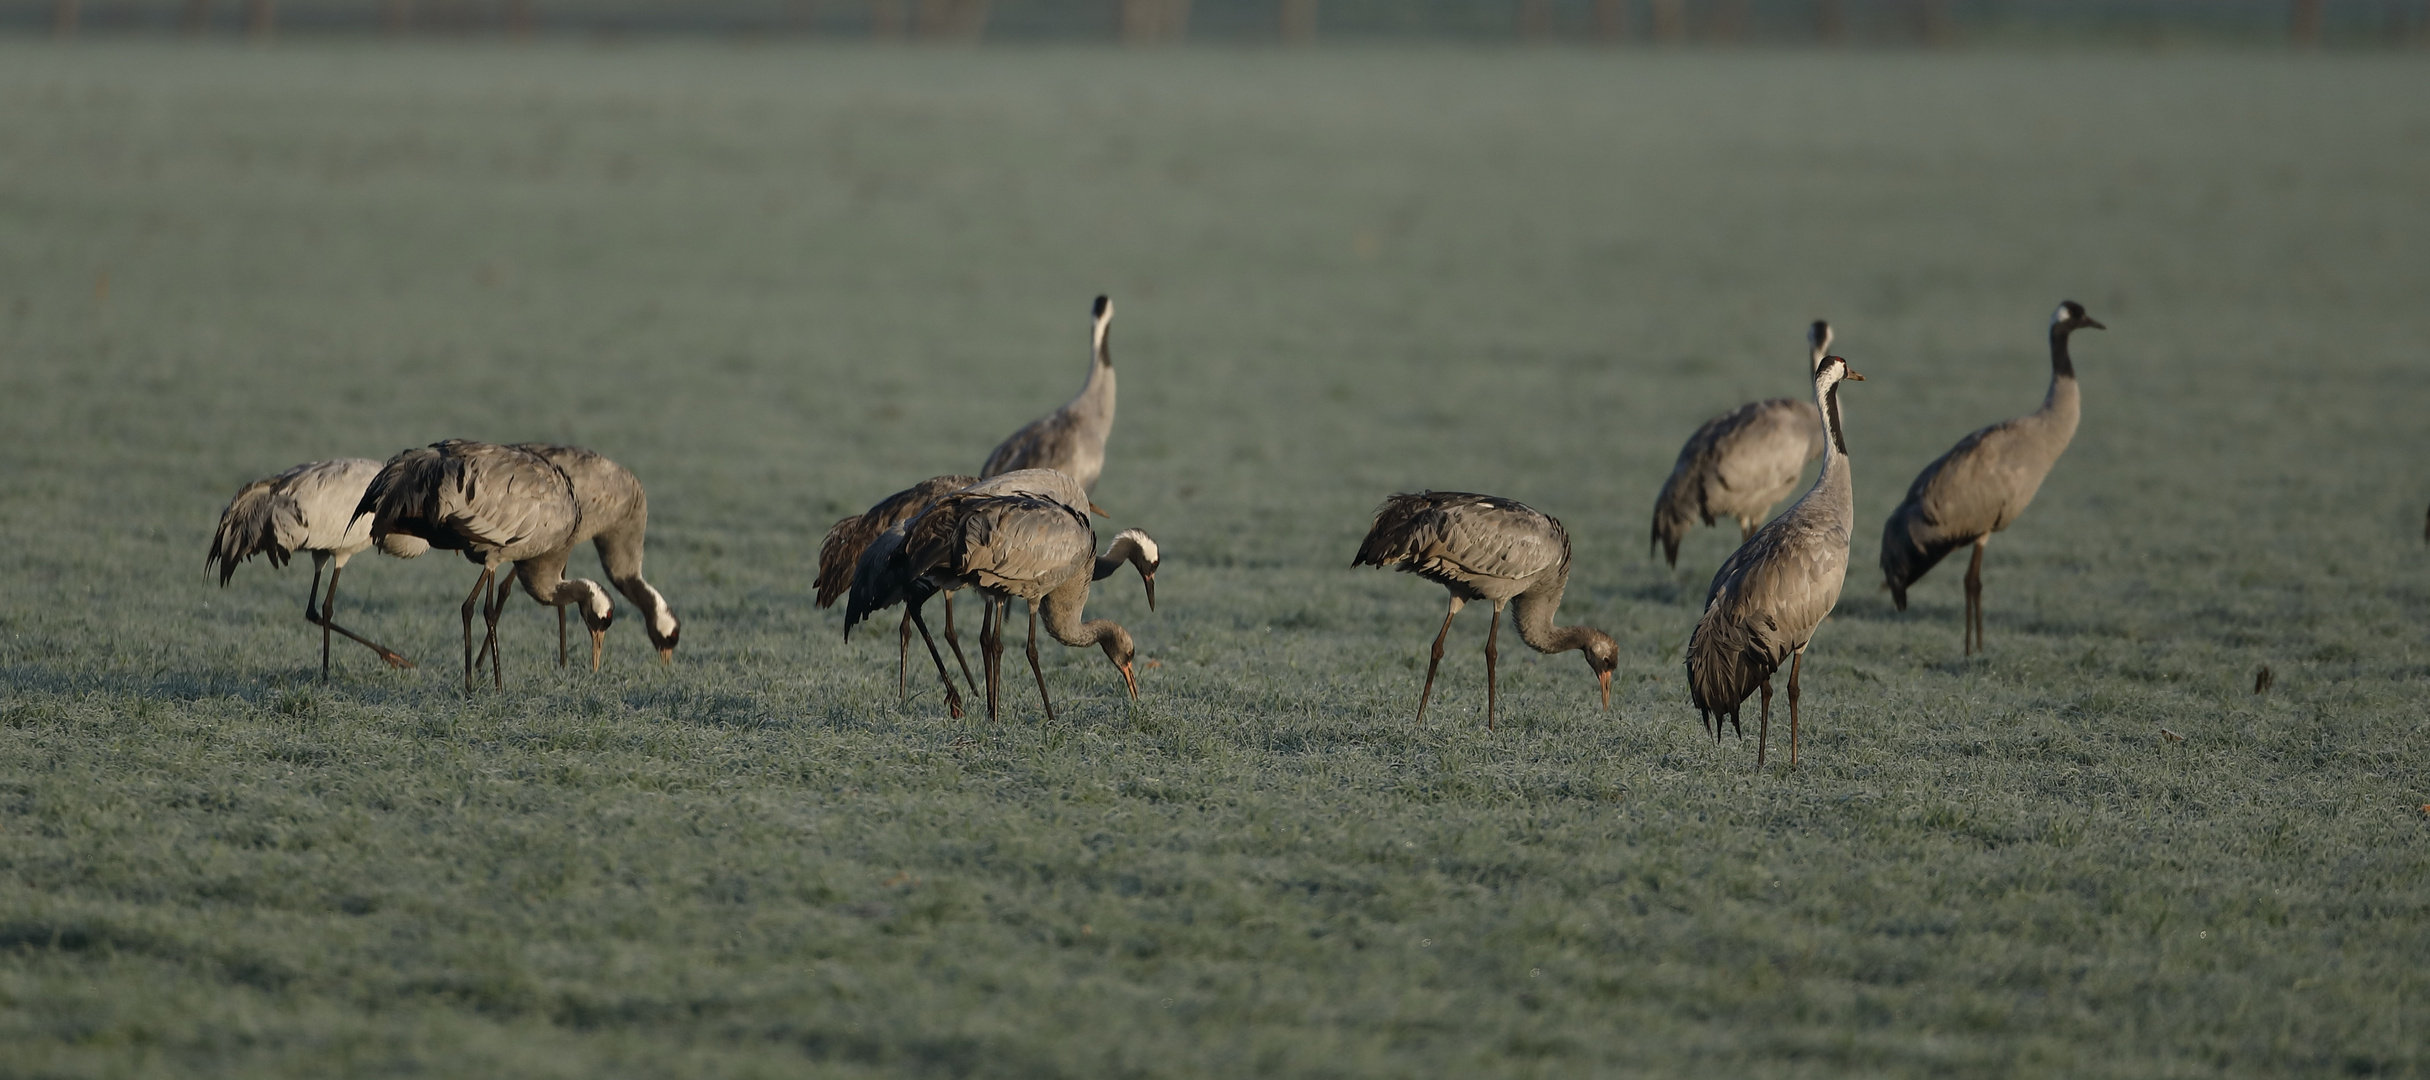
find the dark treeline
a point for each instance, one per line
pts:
(1612, 22)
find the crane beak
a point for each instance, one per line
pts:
(667, 656)
(1854, 377)
(1149, 580)
(598, 638)
(1097, 510)
(1605, 678)
(1130, 679)
(2094, 323)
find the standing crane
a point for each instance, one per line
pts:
(497, 505)
(1984, 482)
(850, 536)
(1070, 440)
(1741, 463)
(1772, 592)
(616, 520)
(1037, 549)
(1481, 547)
(307, 508)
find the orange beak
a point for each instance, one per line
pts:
(1605, 678)
(598, 638)
(666, 656)
(1131, 679)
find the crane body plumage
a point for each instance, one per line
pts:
(1984, 483)
(1741, 463)
(1769, 596)
(496, 505)
(307, 508)
(1069, 440)
(1487, 548)
(839, 557)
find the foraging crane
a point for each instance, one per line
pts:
(1037, 549)
(1481, 547)
(497, 505)
(307, 508)
(616, 520)
(1772, 592)
(1984, 482)
(849, 537)
(1070, 440)
(1741, 463)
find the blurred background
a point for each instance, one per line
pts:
(1865, 23)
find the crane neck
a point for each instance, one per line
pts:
(2062, 366)
(1060, 611)
(1531, 614)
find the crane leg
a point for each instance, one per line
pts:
(1437, 658)
(324, 620)
(1746, 531)
(1763, 727)
(313, 617)
(987, 655)
(480, 588)
(902, 656)
(1974, 598)
(1493, 652)
(561, 638)
(497, 607)
(953, 698)
(1033, 663)
(954, 642)
(1796, 661)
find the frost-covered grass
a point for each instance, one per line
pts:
(780, 284)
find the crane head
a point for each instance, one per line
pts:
(1118, 647)
(1602, 656)
(2071, 316)
(598, 613)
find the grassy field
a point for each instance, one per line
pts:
(780, 284)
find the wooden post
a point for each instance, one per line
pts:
(396, 16)
(195, 19)
(521, 21)
(801, 16)
(1535, 20)
(1298, 21)
(1729, 21)
(63, 19)
(2305, 28)
(885, 19)
(1148, 22)
(1670, 21)
(953, 20)
(1933, 25)
(261, 20)
(1831, 21)
(1611, 21)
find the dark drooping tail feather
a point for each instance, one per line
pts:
(1388, 540)
(259, 521)
(1910, 547)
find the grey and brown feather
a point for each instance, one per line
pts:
(1741, 463)
(615, 518)
(1070, 440)
(840, 553)
(1484, 547)
(1769, 596)
(1984, 482)
(307, 508)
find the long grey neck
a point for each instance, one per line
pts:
(1531, 612)
(1125, 550)
(1834, 485)
(1060, 610)
(1095, 401)
(2063, 396)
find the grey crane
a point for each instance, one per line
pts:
(1772, 592)
(1017, 546)
(307, 508)
(1482, 547)
(1984, 482)
(497, 505)
(616, 520)
(882, 577)
(841, 552)
(1741, 463)
(1070, 440)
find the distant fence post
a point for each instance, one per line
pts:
(885, 19)
(521, 21)
(1535, 20)
(1670, 21)
(1729, 21)
(195, 18)
(1148, 22)
(1611, 21)
(801, 16)
(2305, 28)
(63, 19)
(396, 16)
(953, 20)
(261, 20)
(1831, 21)
(1298, 21)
